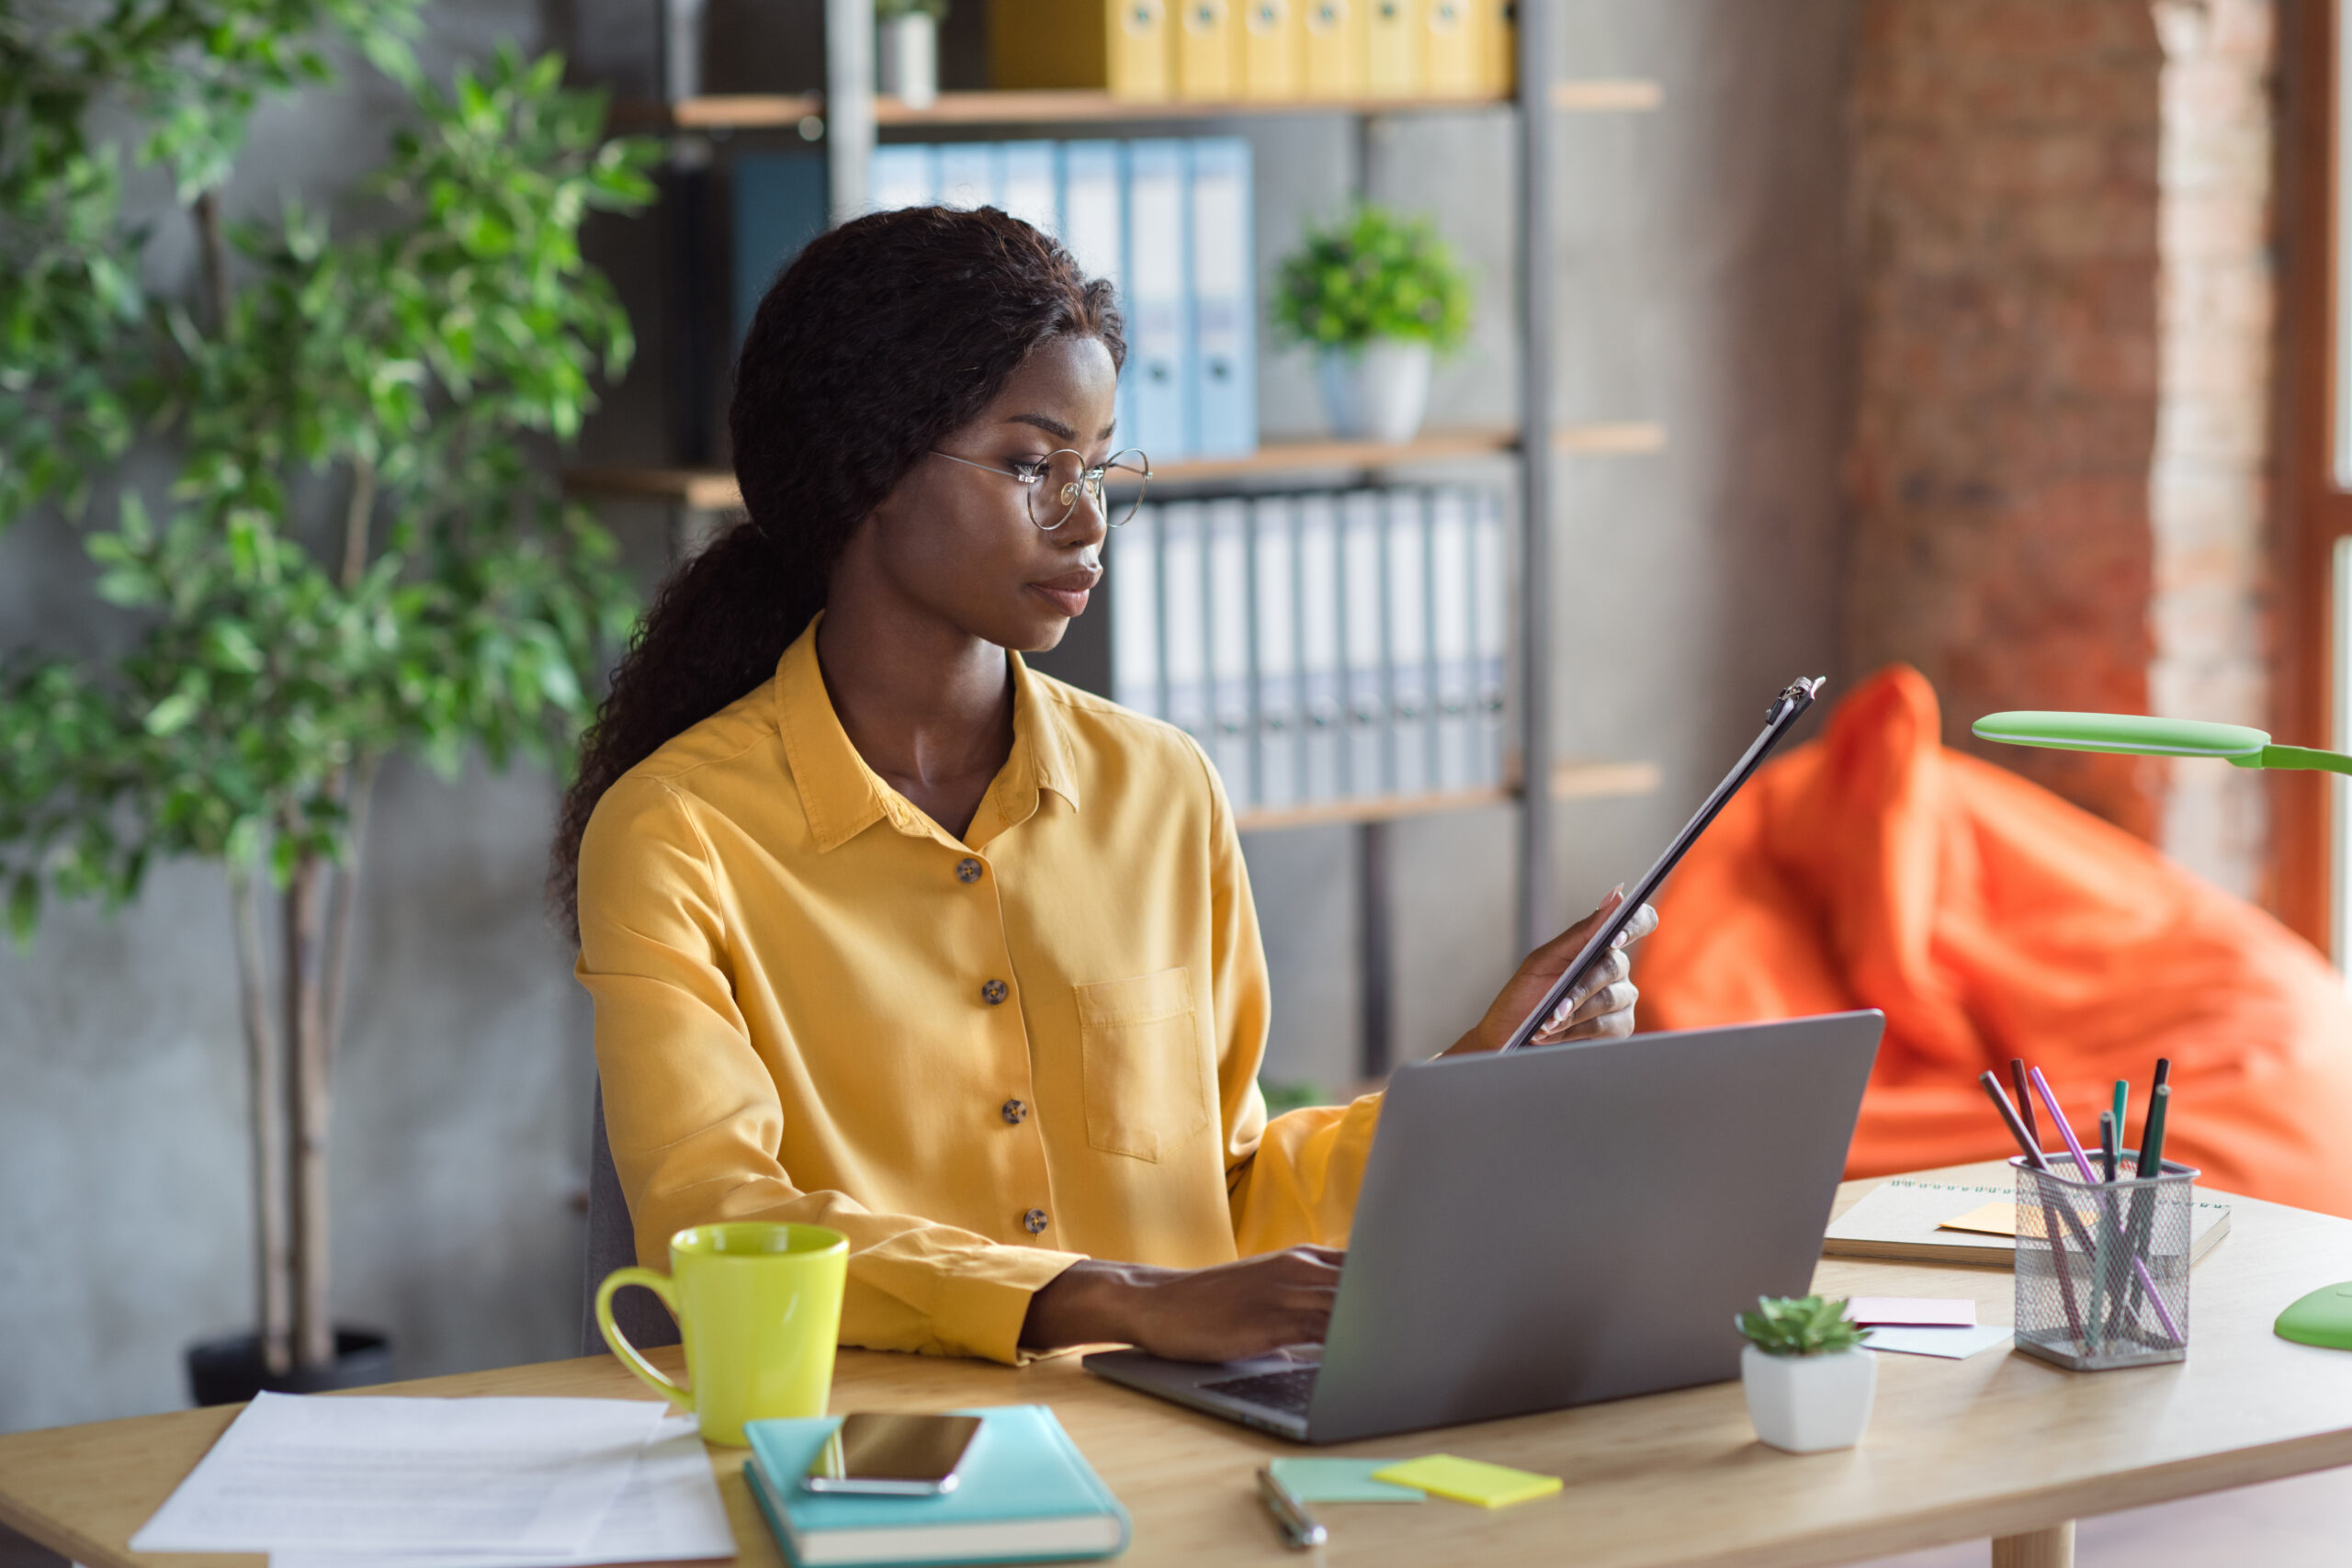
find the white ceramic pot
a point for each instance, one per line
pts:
(1377, 392)
(1807, 1404)
(909, 59)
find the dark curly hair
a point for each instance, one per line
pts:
(885, 336)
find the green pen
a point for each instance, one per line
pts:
(2151, 1163)
(2151, 1136)
(2122, 1110)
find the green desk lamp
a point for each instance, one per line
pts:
(2324, 1316)
(2232, 743)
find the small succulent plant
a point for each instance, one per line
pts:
(1800, 1325)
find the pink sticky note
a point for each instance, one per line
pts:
(1913, 1311)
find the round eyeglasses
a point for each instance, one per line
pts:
(1052, 484)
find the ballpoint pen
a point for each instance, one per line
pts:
(1299, 1529)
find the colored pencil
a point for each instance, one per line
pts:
(2025, 1103)
(2050, 1213)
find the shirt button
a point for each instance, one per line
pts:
(993, 992)
(967, 870)
(1015, 1112)
(1033, 1221)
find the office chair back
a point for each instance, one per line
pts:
(612, 1244)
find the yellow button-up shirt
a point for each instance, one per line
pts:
(979, 1058)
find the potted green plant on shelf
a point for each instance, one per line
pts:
(356, 553)
(1376, 296)
(1809, 1381)
(909, 51)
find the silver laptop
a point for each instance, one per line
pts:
(1558, 1226)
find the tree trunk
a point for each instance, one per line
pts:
(265, 1066)
(311, 1101)
(342, 904)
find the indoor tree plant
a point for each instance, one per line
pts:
(1376, 296)
(357, 554)
(1809, 1381)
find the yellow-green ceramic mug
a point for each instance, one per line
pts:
(759, 1305)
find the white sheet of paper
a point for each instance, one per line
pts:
(670, 1512)
(505, 1475)
(1953, 1343)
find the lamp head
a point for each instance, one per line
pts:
(2131, 733)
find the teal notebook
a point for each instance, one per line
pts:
(1023, 1494)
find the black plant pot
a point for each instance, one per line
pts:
(229, 1370)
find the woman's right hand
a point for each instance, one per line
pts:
(1221, 1313)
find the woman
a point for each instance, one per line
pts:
(887, 932)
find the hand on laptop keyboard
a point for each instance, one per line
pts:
(1221, 1314)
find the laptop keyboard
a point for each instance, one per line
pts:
(1289, 1392)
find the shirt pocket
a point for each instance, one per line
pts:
(1146, 1088)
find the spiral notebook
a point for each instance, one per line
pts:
(1910, 1219)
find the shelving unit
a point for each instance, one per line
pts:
(849, 117)
(712, 490)
(788, 111)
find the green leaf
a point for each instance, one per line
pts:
(23, 909)
(173, 714)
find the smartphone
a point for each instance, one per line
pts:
(892, 1456)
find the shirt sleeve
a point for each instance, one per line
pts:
(693, 1113)
(1293, 1181)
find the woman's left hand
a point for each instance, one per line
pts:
(1600, 1008)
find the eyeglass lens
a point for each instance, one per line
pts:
(1118, 490)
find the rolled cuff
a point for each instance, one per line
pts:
(981, 1309)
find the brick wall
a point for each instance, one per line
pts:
(2006, 202)
(2208, 494)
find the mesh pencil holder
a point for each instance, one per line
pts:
(2102, 1271)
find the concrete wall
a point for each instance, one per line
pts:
(1701, 250)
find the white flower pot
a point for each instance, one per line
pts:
(1807, 1404)
(910, 59)
(1378, 392)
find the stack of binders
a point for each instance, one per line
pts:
(1244, 50)
(1321, 647)
(1166, 221)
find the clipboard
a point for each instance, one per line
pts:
(1785, 709)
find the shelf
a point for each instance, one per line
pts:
(702, 490)
(785, 111)
(1570, 781)
(1296, 457)
(1600, 95)
(712, 490)
(1619, 440)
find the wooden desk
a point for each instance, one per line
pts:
(2001, 1446)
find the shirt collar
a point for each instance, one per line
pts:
(843, 796)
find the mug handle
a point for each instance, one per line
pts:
(661, 1285)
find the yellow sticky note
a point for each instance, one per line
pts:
(1999, 1218)
(1469, 1480)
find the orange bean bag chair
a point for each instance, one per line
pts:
(1989, 919)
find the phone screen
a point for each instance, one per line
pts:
(903, 1454)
